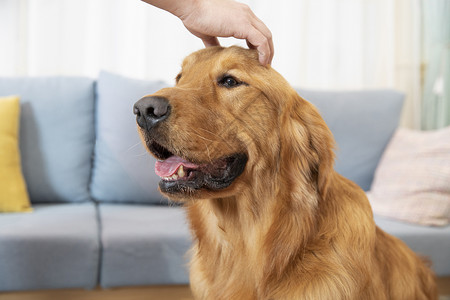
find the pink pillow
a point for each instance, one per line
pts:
(412, 180)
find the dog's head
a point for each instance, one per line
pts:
(229, 122)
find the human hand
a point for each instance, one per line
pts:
(209, 19)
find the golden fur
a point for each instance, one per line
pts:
(289, 227)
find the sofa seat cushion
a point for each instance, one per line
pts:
(430, 242)
(56, 135)
(54, 247)
(362, 123)
(143, 245)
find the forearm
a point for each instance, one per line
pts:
(178, 8)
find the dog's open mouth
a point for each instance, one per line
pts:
(179, 175)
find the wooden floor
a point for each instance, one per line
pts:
(178, 292)
(133, 293)
(444, 287)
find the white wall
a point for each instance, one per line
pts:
(320, 44)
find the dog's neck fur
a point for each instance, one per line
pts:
(264, 215)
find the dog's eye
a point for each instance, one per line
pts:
(178, 78)
(229, 81)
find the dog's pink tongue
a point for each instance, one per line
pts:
(169, 166)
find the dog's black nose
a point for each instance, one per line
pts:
(150, 111)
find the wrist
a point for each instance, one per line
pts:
(185, 7)
(179, 8)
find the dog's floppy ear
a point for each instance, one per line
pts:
(306, 145)
(306, 168)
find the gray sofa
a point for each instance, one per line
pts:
(98, 218)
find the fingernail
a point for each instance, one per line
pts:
(262, 59)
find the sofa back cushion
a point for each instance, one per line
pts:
(362, 123)
(56, 135)
(123, 170)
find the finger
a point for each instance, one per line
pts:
(267, 51)
(262, 44)
(210, 41)
(259, 25)
(272, 51)
(250, 46)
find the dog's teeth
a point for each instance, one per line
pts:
(181, 171)
(169, 178)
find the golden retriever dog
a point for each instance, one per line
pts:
(252, 162)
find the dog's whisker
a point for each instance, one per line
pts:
(206, 144)
(142, 154)
(134, 146)
(209, 154)
(219, 135)
(202, 137)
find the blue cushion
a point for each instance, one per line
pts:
(430, 242)
(362, 123)
(143, 245)
(54, 247)
(123, 170)
(56, 135)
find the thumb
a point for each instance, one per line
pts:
(210, 41)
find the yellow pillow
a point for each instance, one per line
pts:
(13, 191)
